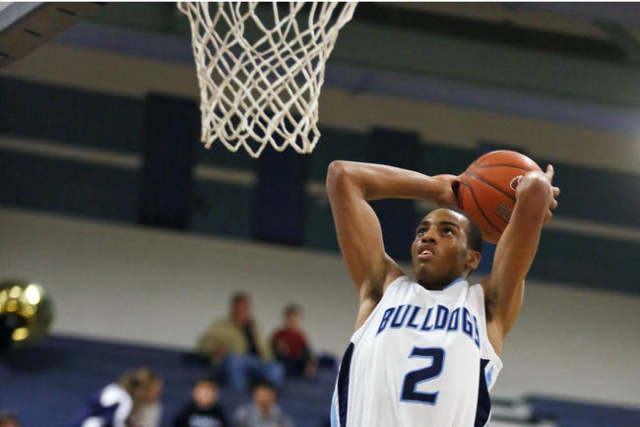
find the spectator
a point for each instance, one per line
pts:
(149, 411)
(7, 419)
(115, 403)
(203, 410)
(264, 411)
(236, 345)
(291, 346)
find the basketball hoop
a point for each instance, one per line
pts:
(260, 70)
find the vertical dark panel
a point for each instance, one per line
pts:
(397, 217)
(279, 210)
(71, 116)
(170, 139)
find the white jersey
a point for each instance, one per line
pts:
(422, 358)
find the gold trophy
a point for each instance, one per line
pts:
(26, 313)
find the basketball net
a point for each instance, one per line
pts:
(260, 70)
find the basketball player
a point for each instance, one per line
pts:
(427, 352)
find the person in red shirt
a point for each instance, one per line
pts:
(291, 347)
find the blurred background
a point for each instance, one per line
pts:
(140, 235)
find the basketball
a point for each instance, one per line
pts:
(487, 191)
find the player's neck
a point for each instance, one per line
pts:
(439, 286)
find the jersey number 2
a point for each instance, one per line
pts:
(413, 378)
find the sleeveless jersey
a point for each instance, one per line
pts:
(421, 358)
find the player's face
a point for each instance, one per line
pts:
(440, 248)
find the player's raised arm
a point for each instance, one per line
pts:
(350, 185)
(535, 198)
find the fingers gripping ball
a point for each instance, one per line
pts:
(487, 190)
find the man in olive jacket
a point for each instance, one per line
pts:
(236, 345)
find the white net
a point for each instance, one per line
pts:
(260, 70)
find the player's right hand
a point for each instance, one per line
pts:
(556, 192)
(530, 178)
(448, 189)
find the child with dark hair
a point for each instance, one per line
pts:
(263, 411)
(203, 410)
(291, 346)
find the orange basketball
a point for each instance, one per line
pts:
(488, 190)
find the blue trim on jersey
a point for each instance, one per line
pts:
(460, 279)
(489, 377)
(483, 410)
(334, 417)
(343, 385)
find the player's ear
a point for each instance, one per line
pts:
(472, 259)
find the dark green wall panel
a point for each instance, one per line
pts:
(69, 188)
(222, 209)
(598, 195)
(336, 144)
(70, 116)
(438, 159)
(585, 260)
(92, 120)
(218, 155)
(115, 123)
(320, 233)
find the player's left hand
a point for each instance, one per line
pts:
(556, 192)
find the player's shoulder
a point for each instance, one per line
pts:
(476, 291)
(475, 286)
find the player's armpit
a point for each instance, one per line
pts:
(371, 291)
(516, 250)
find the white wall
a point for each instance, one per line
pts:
(146, 286)
(149, 286)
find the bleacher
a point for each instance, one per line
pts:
(46, 384)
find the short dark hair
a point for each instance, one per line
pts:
(238, 297)
(292, 308)
(261, 382)
(474, 235)
(209, 379)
